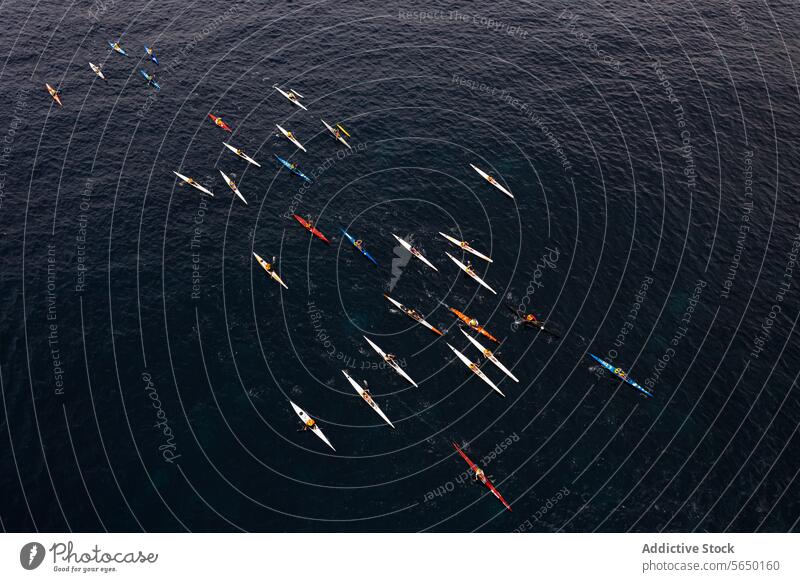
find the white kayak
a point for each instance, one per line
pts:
(492, 181)
(270, 269)
(367, 398)
(475, 369)
(193, 183)
(462, 244)
(97, 71)
(290, 136)
(336, 134)
(310, 424)
(232, 186)
(241, 154)
(393, 364)
(412, 313)
(470, 272)
(489, 356)
(292, 96)
(414, 252)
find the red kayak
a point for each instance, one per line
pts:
(480, 475)
(219, 122)
(311, 228)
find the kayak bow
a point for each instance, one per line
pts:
(367, 398)
(619, 373)
(395, 366)
(479, 474)
(414, 252)
(469, 271)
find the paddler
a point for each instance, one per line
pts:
(309, 424)
(474, 367)
(473, 323)
(390, 358)
(218, 121)
(191, 182)
(359, 244)
(117, 47)
(480, 475)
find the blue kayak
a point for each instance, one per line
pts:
(292, 168)
(119, 49)
(151, 53)
(151, 80)
(621, 375)
(363, 252)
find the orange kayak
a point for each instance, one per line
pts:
(473, 324)
(218, 121)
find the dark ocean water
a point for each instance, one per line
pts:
(652, 151)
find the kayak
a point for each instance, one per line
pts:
(490, 356)
(473, 324)
(480, 475)
(309, 423)
(414, 252)
(290, 136)
(151, 80)
(292, 168)
(53, 93)
(619, 373)
(270, 269)
(465, 245)
(361, 248)
(311, 228)
(392, 363)
(336, 134)
(470, 272)
(220, 123)
(531, 322)
(97, 71)
(241, 154)
(151, 53)
(232, 186)
(193, 183)
(413, 314)
(291, 96)
(475, 369)
(118, 48)
(492, 181)
(367, 398)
